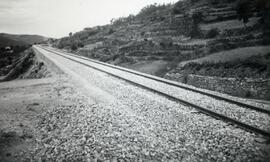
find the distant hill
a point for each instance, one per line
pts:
(13, 40)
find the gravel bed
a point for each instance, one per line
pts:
(242, 114)
(243, 100)
(138, 125)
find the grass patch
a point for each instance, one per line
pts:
(253, 67)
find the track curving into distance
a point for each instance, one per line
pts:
(198, 107)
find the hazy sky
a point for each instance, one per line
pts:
(56, 18)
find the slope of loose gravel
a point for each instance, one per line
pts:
(136, 125)
(245, 115)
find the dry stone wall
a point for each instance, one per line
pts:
(247, 87)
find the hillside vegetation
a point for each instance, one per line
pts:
(161, 37)
(21, 64)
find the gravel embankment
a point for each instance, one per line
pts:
(263, 105)
(138, 125)
(245, 115)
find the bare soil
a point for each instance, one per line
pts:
(22, 104)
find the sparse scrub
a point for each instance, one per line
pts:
(74, 47)
(248, 94)
(111, 31)
(213, 33)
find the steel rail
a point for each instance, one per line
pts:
(199, 108)
(242, 104)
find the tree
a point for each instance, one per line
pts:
(213, 33)
(244, 10)
(263, 9)
(70, 34)
(195, 31)
(197, 17)
(74, 47)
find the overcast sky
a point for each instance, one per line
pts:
(56, 18)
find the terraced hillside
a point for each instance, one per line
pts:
(169, 41)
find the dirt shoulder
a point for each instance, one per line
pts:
(23, 102)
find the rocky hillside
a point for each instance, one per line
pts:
(23, 64)
(166, 40)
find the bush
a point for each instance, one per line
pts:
(185, 78)
(111, 31)
(177, 9)
(248, 94)
(212, 33)
(197, 17)
(195, 31)
(74, 47)
(243, 10)
(80, 44)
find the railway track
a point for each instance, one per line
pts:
(205, 110)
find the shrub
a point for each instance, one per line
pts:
(195, 31)
(115, 56)
(162, 44)
(212, 33)
(142, 33)
(185, 78)
(243, 10)
(74, 47)
(80, 44)
(111, 31)
(248, 94)
(197, 17)
(177, 9)
(166, 42)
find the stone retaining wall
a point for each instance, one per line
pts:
(250, 88)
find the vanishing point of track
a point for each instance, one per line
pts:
(199, 108)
